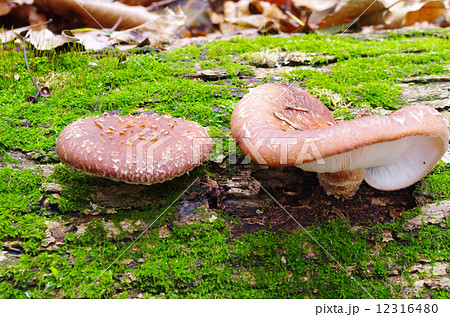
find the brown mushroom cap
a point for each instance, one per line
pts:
(279, 125)
(138, 150)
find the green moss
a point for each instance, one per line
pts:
(77, 189)
(436, 184)
(19, 210)
(84, 85)
(200, 260)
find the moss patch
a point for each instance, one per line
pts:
(436, 185)
(199, 260)
(19, 199)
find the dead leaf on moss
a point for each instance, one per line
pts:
(160, 30)
(95, 40)
(10, 35)
(46, 40)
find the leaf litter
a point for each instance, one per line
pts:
(100, 24)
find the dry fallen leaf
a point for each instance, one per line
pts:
(242, 14)
(7, 36)
(392, 13)
(160, 30)
(138, 2)
(35, 17)
(100, 14)
(46, 40)
(429, 12)
(370, 13)
(7, 5)
(95, 40)
(408, 13)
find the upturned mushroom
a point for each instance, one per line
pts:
(138, 150)
(280, 125)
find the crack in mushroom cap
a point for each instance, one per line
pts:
(138, 150)
(396, 151)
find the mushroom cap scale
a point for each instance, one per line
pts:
(139, 150)
(405, 145)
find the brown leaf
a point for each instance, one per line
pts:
(410, 12)
(160, 30)
(255, 8)
(287, 26)
(6, 7)
(395, 214)
(368, 11)
(240, 14)
(138, 2)
(101, 14)
(35, 17)
(429, 12)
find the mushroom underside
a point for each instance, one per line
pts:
(281, 125)
(388, 165)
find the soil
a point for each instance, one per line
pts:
(290, 199)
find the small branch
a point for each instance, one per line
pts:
(44, 91)
(28, 67)
(283, 118)
(293, 17)
(293, 107)
(116, 25)
(26, 28)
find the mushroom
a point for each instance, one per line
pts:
(280, 125)
(138, 150)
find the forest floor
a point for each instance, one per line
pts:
(229, 229)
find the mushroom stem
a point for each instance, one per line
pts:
(341, 184)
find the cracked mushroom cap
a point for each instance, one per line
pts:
(138, 150)
(279, 125)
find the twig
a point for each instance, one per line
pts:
(26, 28)
(28, 67)
(115, 26)
(293, 107)
(293, 17)
(44, 91)
(294, 125)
